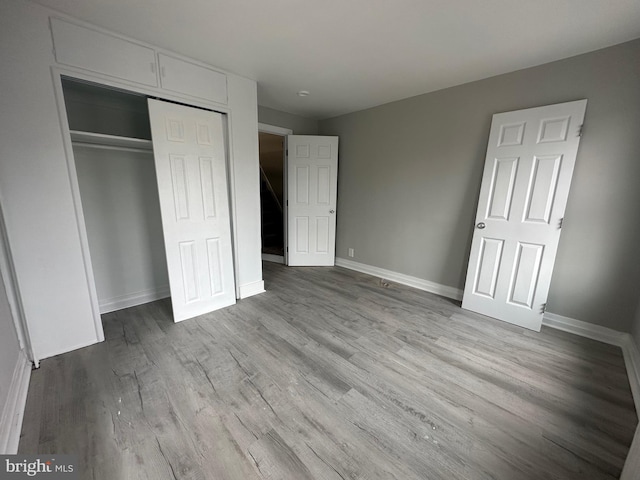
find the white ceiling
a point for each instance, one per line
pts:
(355, 54)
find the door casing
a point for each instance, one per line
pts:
(281, 132)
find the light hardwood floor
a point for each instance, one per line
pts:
(332, 375)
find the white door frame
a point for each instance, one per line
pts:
(281, 132)
(57, 74)
(8, 273)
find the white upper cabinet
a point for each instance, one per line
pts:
(190, 79)
(82, 47)
(99, 52)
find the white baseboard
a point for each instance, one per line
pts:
(13, 411)
(415, 282)
(131, 300)
(632, 361)
(267, 257)
(250, 289)
(584, 329)
(606, 335)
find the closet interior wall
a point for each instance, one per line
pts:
(119, 194)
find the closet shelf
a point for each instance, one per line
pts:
(103, 140)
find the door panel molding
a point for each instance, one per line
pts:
(190, 158)
(525, 185)
(312, 174)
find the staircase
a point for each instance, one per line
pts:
(272, 223)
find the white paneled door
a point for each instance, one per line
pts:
(525, 185)
(189, 150)
(312, 183)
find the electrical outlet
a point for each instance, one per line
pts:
(351, 252)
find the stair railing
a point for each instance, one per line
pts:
(270, 188)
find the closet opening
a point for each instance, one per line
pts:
(154, 213)
(113, 153)
(272, 195)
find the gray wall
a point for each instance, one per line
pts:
(410, 173)
(299, 125)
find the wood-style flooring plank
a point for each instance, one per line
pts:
(332, 375)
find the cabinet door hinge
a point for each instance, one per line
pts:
(544, 308)
(561, 222)
(580, 130)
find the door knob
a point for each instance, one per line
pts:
(481, 225)
(332, 211)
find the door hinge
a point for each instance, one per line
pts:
(287, 249)
(561, 222)
(580, 130)
(544, 308)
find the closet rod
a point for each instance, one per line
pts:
(112, 147)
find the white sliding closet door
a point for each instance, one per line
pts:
(190, 159)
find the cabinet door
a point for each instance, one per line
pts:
(102, 53)
(190, 79)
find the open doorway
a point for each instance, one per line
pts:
(272, 148)
(272, 194)
(298, 193)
